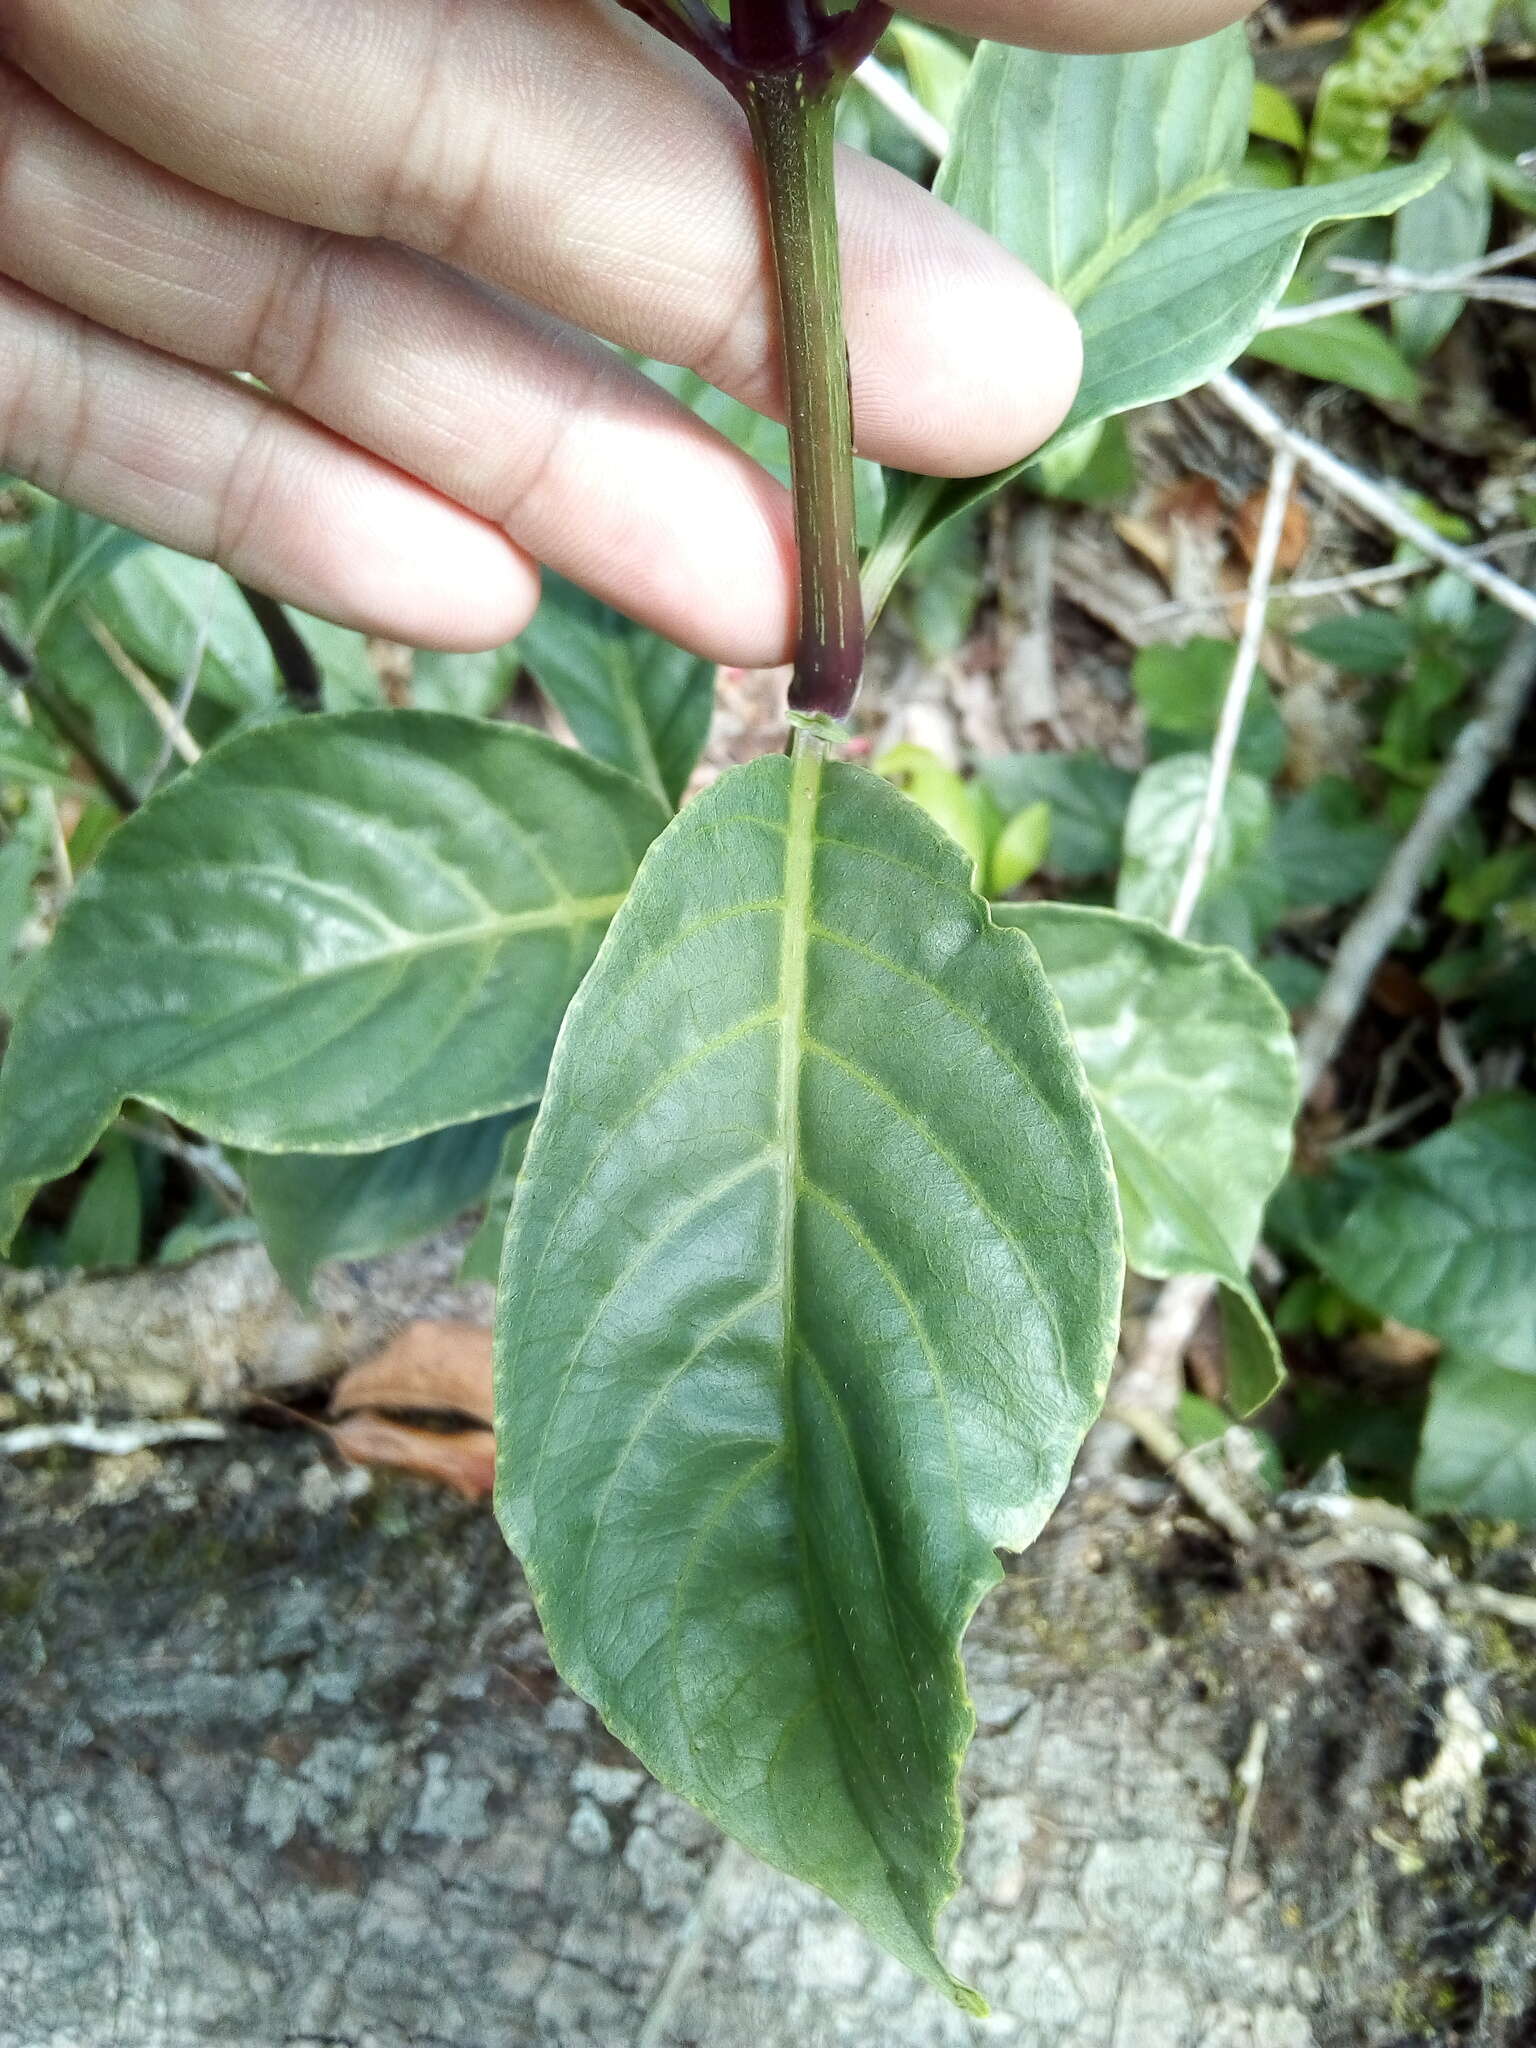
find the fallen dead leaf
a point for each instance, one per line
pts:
(464, 1459)
(1294, 535)
(439, 1367)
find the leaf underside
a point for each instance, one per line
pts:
(810, 1292)
(331, 935)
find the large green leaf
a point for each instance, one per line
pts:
(1117, 180)
(631, 699)
(1447, 225)
(1477, 1455)
(1445, 1237)
(1193, 1067)
(353, 1205)
(810, 1293)
(331, 935)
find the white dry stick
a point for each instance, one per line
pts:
(1337, 586)
(144, 689)
(1369, 497)
(1477, 749)
(111, 1439)
(899, 100)
(1282, 478)
(1387, 282)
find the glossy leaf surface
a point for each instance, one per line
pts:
(1193, 1067)
(1116, 179)
(810, 1293)
(331, 935)
(353, 1205)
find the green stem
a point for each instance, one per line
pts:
(792, 121)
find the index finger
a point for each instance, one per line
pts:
(1086, 24)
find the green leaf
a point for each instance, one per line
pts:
(959, 807)
(1500, 116)
(631, 699)
(333, 934)
(1193, 1067)
(159, 605)
(1342, 348)
(1118, 180)
(21, 860)
(1181, 691)
(314, 1207)
(1022, 848)
(474, 685)
(482, 1255)
(1446, 226)
(1363, 644)
(1477, 1455)
(1397, 55)
(32, 760)
(107, 1224)
(1274, 118)
(1243, 895)
(1445, 1238)
(67, 553)
(937, 68)
(1088, 796)
(810, 1293)
(1326, 847)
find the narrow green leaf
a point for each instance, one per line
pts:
(107, 1224)
(1181, 691)
(482, 1255)
(631, 699)
(333, 934)
(1364, 643)
(160, 606)
(31, 760)
(313, 1207)
(1274, 117)
(1118, 180)
(1445, 226)
(1445, 1238)
(810, 1293)
(1343, 348)
(1477, 1455)
(1193, 1067)
(1326, 848)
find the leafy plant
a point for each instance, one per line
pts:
(812, 1275)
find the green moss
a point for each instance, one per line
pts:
(20, 1593)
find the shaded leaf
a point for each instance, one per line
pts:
(1477, 1453)
(1088, 796)
(475, 685)
(333, 934)
(758, 1443)
(631, 699)
(482, 1255)
(1444, 1239)
(318, 1206)
(1182, 689)
(1363, 644)
(1193, 1067)
(106, 1225)
(1343, 348)
(1326, 847)
(1444, 227)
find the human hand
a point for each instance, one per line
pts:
(408, 219)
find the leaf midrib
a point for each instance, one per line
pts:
(1077, 288)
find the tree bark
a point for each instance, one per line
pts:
(283, 1764)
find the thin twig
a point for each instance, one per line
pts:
(112, 1439)
(1477, 749)
(1369, 497)
(1336, 586)
(191, 677)
(1250, 1783)
(898, 100)
(296, 665)
(1196, 1475)
(142, 685)
(1387, 282)
(1282, 478)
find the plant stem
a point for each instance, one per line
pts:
(792, 127)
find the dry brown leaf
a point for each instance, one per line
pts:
(435, 1366)
(1395, 1344)
(464, 1459)
(1294, 535)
